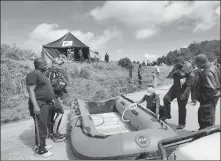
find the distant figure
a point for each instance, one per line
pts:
(182, 81)
(140, 73)
(153, 102)
(155, 75)
(69, 54)
(72, 54)
(80, 53)
(207, 91)
(106, 58)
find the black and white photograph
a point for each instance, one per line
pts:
(110, 80)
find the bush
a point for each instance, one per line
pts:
(125, 63)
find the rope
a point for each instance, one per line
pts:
(130, 107)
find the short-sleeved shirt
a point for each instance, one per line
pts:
(156, 69)
(43, 90)
(152, 102)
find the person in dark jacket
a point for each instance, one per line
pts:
(140, 73)
(106, 58)
(41, 98)
(182, 81)
(207, 91)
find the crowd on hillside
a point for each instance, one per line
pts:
(47, 88)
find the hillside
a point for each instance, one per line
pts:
(210, 48)
(90, 82)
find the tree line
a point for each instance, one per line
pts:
(209, 48)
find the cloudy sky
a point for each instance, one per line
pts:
(138, 30)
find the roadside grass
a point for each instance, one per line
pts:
(90, 82)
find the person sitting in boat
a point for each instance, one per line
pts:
(153, 102)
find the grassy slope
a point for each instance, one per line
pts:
(95, 82)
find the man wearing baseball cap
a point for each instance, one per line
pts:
(153, 102)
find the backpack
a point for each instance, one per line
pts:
(56, 78)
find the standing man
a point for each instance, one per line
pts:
(72, 54)
(155, 75)
(153, 102)
(207, 91)
(81, 55)
(41, 97)
(140, 72)
(106, 58)
(69, 53)
(59, 80)
(182, 81)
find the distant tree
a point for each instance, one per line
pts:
(143, 63)
(125, 62)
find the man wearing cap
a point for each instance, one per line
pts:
(207, 91)
(59, 80)
(183, 79)
(153, 102)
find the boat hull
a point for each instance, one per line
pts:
(88, 143)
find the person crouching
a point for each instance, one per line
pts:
(153, 102)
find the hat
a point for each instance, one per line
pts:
(150, 90)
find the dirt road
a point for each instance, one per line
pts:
(17, 139)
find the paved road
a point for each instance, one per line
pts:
(17, 139)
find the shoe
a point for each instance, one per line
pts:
(43, 153)
(47, 147)
(181, 127)
(62, 135)
(194, 103)
(57, 138)
(164, 118)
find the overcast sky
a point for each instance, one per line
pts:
(138, 30)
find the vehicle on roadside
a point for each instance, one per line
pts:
(200, 145)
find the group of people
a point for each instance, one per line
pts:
(155, 75)
(200, 78)
(47, 87)
(71, 54)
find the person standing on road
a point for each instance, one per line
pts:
(182, 81)
(153, 102)
(41, 97)
(140, 73)
(155, 75)
(207, 91)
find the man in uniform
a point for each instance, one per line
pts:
(183, 80)
(41, 96)
(207, 91)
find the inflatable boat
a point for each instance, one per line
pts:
(113, 129)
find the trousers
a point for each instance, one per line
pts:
(41, 121)
(168, 98)
(207, 113)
